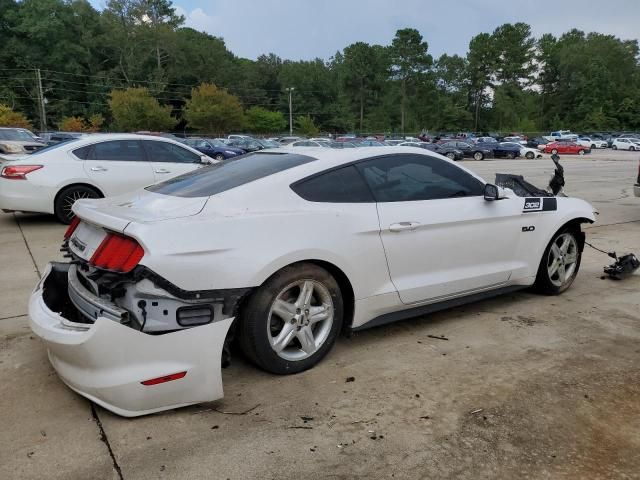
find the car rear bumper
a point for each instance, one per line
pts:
(107, 362)
(22, 196)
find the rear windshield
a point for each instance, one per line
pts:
(213, 179)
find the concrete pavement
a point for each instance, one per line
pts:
(526, 386)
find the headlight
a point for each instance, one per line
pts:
(229, 152)
(11, 148)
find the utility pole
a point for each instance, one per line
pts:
(43, 115)
(290, 90)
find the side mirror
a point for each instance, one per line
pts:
(491, 192)
(205, 159)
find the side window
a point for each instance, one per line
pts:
(118, 150)
(159, 151)
(344, 185)
(405, 178)
(83, 152)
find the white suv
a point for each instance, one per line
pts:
(626, 144)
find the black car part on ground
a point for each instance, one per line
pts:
(623, 266)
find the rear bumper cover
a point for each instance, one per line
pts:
(107, 361)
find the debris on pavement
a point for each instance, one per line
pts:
(441, 337)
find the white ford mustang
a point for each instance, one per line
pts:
(287, 249)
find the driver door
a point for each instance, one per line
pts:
(441, 238)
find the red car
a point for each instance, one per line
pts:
(565, 147)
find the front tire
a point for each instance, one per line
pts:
(614, 147)
(451, 156)
(560, 263)
(478, 156)
(219, 157)
(291, 322)
(511, 155)
(581, 152)
(530, 155)
(554, 151)
(66, 198)
(631, 149)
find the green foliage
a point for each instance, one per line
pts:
(261, 120)
(9, 118)
(213, 110)
(508, 80)
(135, 109)
(306, 126)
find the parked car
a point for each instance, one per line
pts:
(561, 135)
(52, 179)
(16, 141)
(394, 141)
(266, 143)
(246, 144)
(486, 140)
(626, 143)
(138, 319)
(565, 148)
(308, 143)
(503, 149)
(51, 138)
(213, 148)
(477, 152)
(592, 143)
(529, 153)
(371, 143)
(287, 140)
(515, 139)
(536, 142)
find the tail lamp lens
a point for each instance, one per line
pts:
(117, 253)
(72, 228)
(18, 172)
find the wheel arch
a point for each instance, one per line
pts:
(77, 184)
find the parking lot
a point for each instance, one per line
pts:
(521, 386)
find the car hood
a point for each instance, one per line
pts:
(141, 206)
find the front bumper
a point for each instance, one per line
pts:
(107, 361)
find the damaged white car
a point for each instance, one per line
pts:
(282, 251)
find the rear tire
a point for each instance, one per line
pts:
(451, 156)
(631, 149)
(219, 157)
(554, 151)
(530, 155)
(560, 262)
(613, 147)
(478, 156)
(67, 197)
(581, 152)
(511, 155)
(296, 343)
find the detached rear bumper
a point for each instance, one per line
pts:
(107, 361)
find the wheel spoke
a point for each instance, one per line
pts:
(553, 268)
(570, 258)
(307, 341)
(284, 310)
(284, 337)
(555, 250)
(565, 244)
(306, 292)
(317, 314)
(561, 274)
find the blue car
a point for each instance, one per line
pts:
(214, 148)
(502, 149)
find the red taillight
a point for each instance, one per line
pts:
(18, 172)
(166, 378)
(117, 253)
(72, 228)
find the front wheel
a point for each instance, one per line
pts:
(478, 156)
(593, 146)
(631, 149)
(219, 157)
(560, 263)
(554, 151)
(529, 155)
(451, 155)
(291, 322)
(511, 155)
(614, 147)
(67, 197)
(581, 152)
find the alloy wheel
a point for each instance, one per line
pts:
(300, 320)
(561, 262)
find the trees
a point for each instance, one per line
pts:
(135, 109)
(9, 118)
(409, 61)
(213, 110)
(306, 126)
(261, 120)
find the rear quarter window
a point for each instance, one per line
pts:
(343, 185)
(214, 179)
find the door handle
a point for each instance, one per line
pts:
(402, 226)
(162, 170)
(98, 169)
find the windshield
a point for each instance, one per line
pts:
(15, 135)
(220, 177)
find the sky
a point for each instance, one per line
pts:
(307, 29)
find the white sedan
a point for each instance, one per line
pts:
(526, 152)
(53, 178)
(286, 249)
(592, 143)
